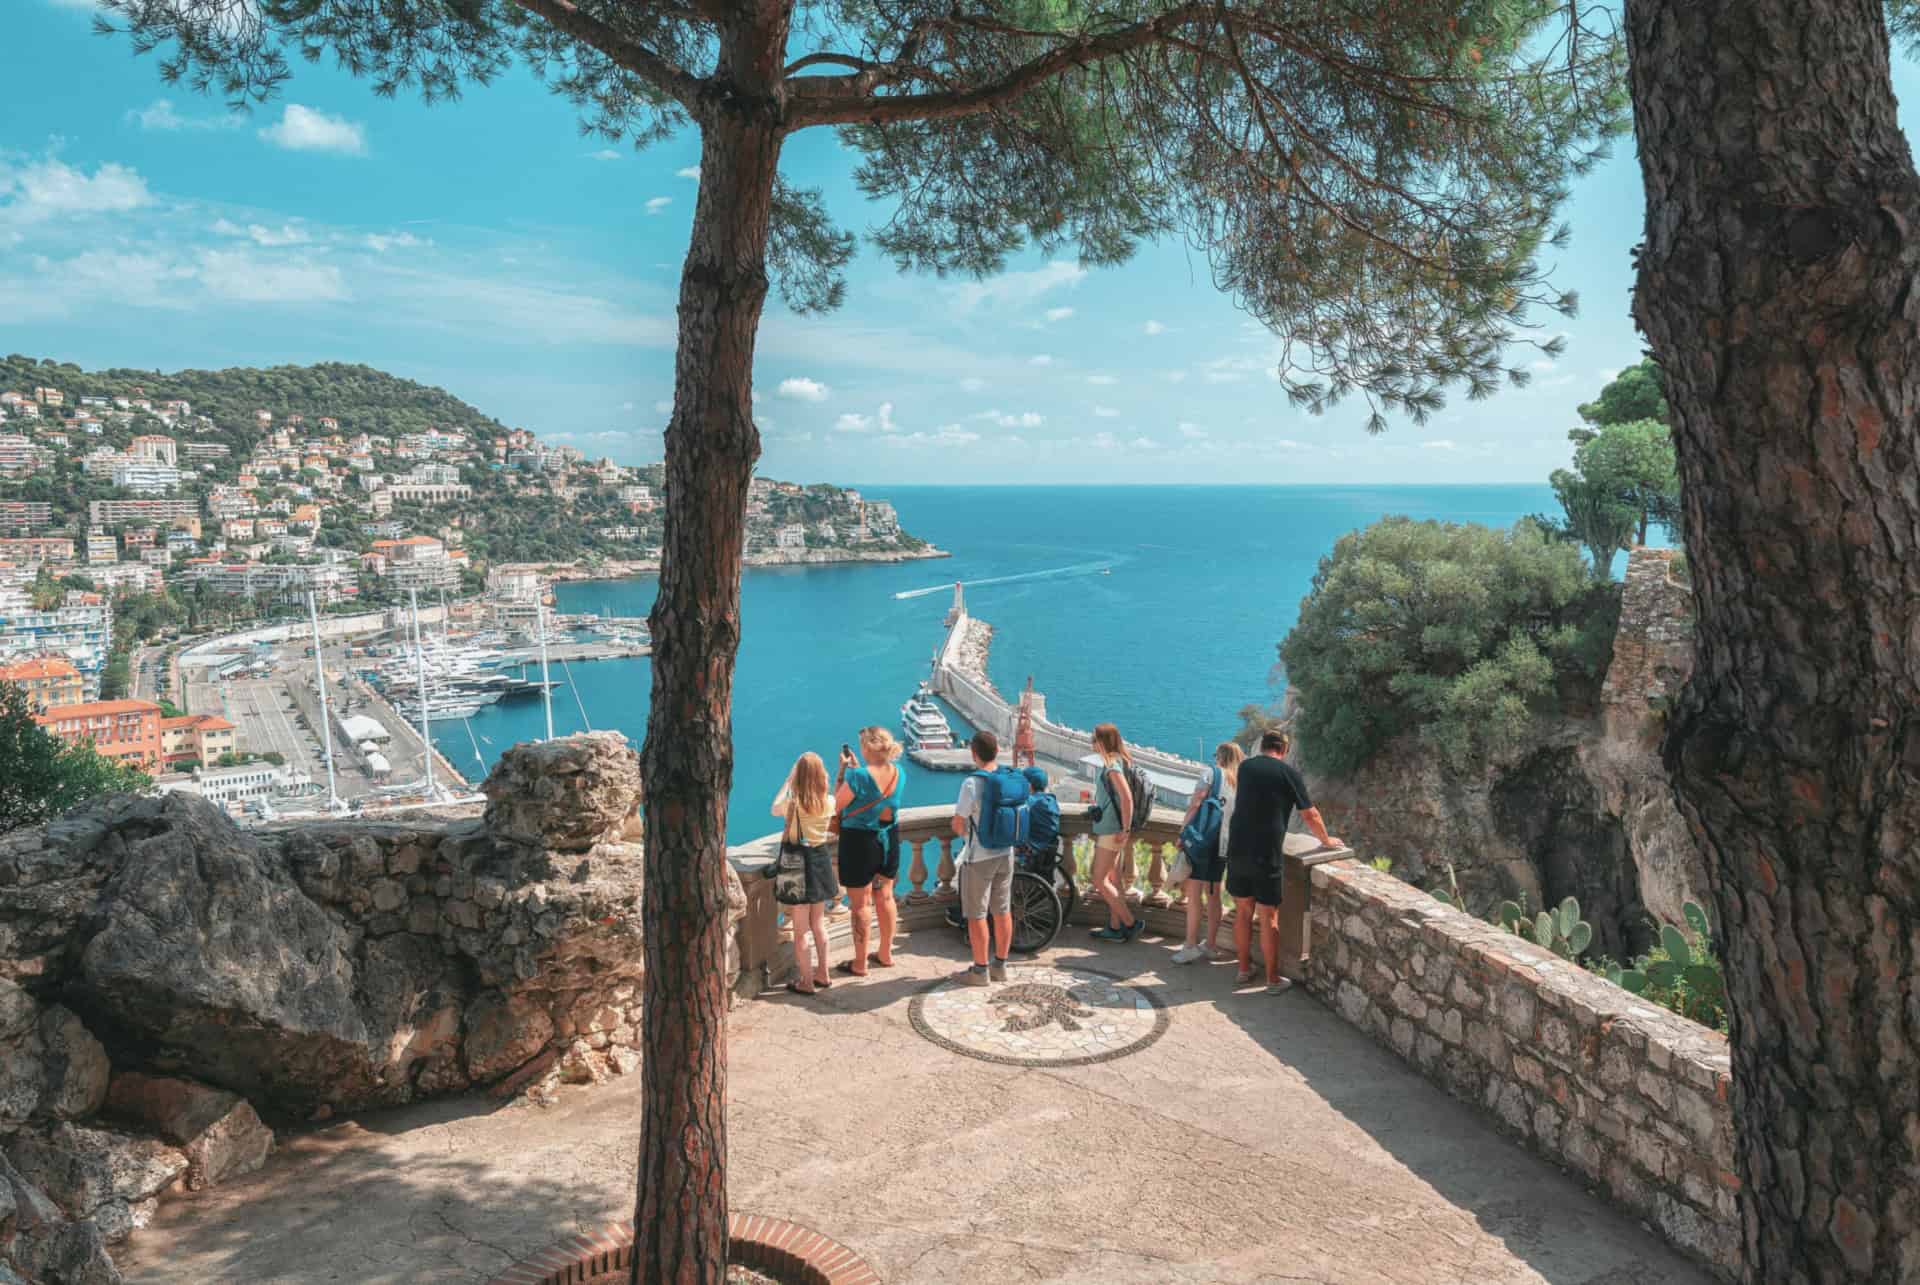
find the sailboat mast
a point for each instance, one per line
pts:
(546, 683)
(426, 715)
(320, 682)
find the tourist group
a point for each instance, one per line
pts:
(1235, 825)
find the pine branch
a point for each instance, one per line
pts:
(637, 58)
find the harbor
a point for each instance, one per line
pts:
(339, 717)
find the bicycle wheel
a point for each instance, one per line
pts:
(1036, 913)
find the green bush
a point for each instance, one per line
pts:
(1462, 633)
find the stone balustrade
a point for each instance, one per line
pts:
(928, 885)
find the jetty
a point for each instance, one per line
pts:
(960, 679)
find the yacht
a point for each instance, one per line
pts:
(926, 727)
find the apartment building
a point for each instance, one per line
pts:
(126, 731)
(47, 681)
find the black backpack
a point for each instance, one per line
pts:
(1142, 789)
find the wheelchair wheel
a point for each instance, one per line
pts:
(1037, 915)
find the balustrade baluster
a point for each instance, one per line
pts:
(948, 870)
(917, 872)
(1156, 877)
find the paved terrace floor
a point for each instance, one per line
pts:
(1259, 1139)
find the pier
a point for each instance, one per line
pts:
(960, 679)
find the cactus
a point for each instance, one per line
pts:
(1681, 974)
(1561, 930)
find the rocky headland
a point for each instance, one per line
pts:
(1583, 809)
(171, 986)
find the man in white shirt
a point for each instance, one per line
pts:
(986, 874)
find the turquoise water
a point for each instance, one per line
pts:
(1204, 583)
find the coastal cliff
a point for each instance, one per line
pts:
(1582, 809)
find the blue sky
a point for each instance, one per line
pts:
(487, 247)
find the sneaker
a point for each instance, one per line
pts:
(1280, 987)
(1187, 954)
(1110, 934)
(997, 971)
(1132, 932)
(971, 977)
(1243, 977)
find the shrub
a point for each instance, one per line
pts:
(1682, 973)
(1462, 633)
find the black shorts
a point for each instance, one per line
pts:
(1260, 886)
(866, 855)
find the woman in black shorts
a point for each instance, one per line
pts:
(867, 794)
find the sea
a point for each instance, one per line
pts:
(1158, 608)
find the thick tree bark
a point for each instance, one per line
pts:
(1776, 286)
(680, 1209)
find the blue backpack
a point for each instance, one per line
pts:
(1043, 823)
(1200, 837)
(1006, 809)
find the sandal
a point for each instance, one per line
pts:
(874, 961)
(845, 968)
(823, 983)
(798, 989)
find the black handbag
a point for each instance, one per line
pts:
(790, 867)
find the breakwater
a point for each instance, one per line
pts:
(960, 679)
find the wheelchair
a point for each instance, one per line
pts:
(1043, 897)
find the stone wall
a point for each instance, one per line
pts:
(1652, 645)
(1628, 1096)
(163, 973)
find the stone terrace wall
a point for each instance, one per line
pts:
(1627, 1095)
(1652, 645)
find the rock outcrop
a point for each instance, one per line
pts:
(1583, 810)
(163, 973)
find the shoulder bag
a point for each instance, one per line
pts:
(790, 867)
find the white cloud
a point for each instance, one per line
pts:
(306, 129)
(687, 171)
(1439, 444)
(1176, 376)
(1059, 314)
(247, 277)
(606, 154)
(51, 188)
(1144, 444)
(260, 234)
(803, 390)
(973, 384)
(1102, 380)
(626, 405)
(664, 406)
(381, 242)
(1608, 374)
(1019, 419)
(1192, 432)
(159, 115)
(1541, 363)
(1040, 359)
(1153, 328)
(658, 203)
(946, 435)
(882, 422)
(1105, 412)
(1012, 288)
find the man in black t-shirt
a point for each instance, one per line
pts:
(1269, 790)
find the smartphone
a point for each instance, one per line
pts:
(846, 750)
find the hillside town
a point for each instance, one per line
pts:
(128, 515)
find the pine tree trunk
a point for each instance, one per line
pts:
(680, 1209)
(1776, 286)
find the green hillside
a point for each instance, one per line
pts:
(363, 399)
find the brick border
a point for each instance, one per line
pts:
(794, 1253)
(1161, 1020)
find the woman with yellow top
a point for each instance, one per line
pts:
(803, 873)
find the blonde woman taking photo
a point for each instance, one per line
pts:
(1112, 828)
(803, 872)
(867, 797)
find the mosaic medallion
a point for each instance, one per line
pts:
(1043, 1015)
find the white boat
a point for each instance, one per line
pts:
(926, 727)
